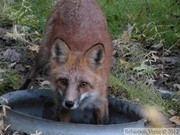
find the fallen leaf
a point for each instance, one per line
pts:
(152, 56)
(175, 119)
(114, 52)
(10, 1)
(174, 99)
(2, 32)
(12, 64)
(157, 46)
(2, 71)
(20, 67)
(137, 100)
(34, 48)
(1, 80)
(150, 81)
(163, 91)
(45, 83)
(172, 112)
(176, 86)
(126, 36)
(11, 55)
(172, 60)
(123, 62)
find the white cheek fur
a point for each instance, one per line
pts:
(84, 96)
(90, 100)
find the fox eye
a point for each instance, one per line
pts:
(83, 84)
(64, 81)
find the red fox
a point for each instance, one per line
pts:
(78, 48)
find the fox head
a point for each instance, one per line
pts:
(77, 75)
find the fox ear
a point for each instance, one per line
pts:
(95, 56)
(60, 51)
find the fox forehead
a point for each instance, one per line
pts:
(74, 73)
(75, 63)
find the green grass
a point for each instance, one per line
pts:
(26, 12)
(153, 20)
(174, 105)
(145, 94)
(9, 80)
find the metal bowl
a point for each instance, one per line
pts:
(29, 111)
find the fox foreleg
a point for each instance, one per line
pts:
(63, 114)
(101, 114)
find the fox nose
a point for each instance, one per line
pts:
(69, 104)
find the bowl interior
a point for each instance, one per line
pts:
(40, 104)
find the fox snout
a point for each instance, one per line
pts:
(70, 104)
(87, 100)
(68, 101)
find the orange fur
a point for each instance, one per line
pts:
(78, 47)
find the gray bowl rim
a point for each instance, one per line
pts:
(59, 128)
